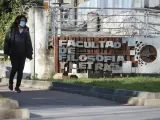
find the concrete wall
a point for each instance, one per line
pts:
(116, 3)
(43, 64)
(126, 3)
(38, 23)
(139, 3)
(5, 68)
(154, 3)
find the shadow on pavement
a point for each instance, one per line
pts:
(46, 97)
(35, 116)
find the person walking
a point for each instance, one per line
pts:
(18, 46)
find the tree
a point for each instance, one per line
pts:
(9, 9)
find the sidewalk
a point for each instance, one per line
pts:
(45, 104)
(34, 97)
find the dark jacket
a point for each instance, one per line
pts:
(9, 42)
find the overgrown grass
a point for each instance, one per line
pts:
(141, 83)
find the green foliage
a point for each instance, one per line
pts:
(35, 77)
(140, 83)
(6, 19)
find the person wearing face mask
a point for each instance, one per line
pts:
(18, 46)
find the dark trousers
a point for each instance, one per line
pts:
(18, 63)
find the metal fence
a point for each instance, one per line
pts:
(105, 22)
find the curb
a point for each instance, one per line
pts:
(102, 90)
(9, 104)
(43, 85)
(152, 102)
(9, 109)
(14, 114)
(4, 81)
(130, 97)
(123, 99)
(136, 101)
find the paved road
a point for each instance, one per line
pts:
(54, 105)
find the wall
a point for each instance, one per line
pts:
(67, 1)
(5, 68)
(37, 22)
(43, 62)
(123, 3)
(154, 4)
(139, 3)
(108, 3)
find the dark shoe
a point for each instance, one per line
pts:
(17, 90)
(10, 87)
